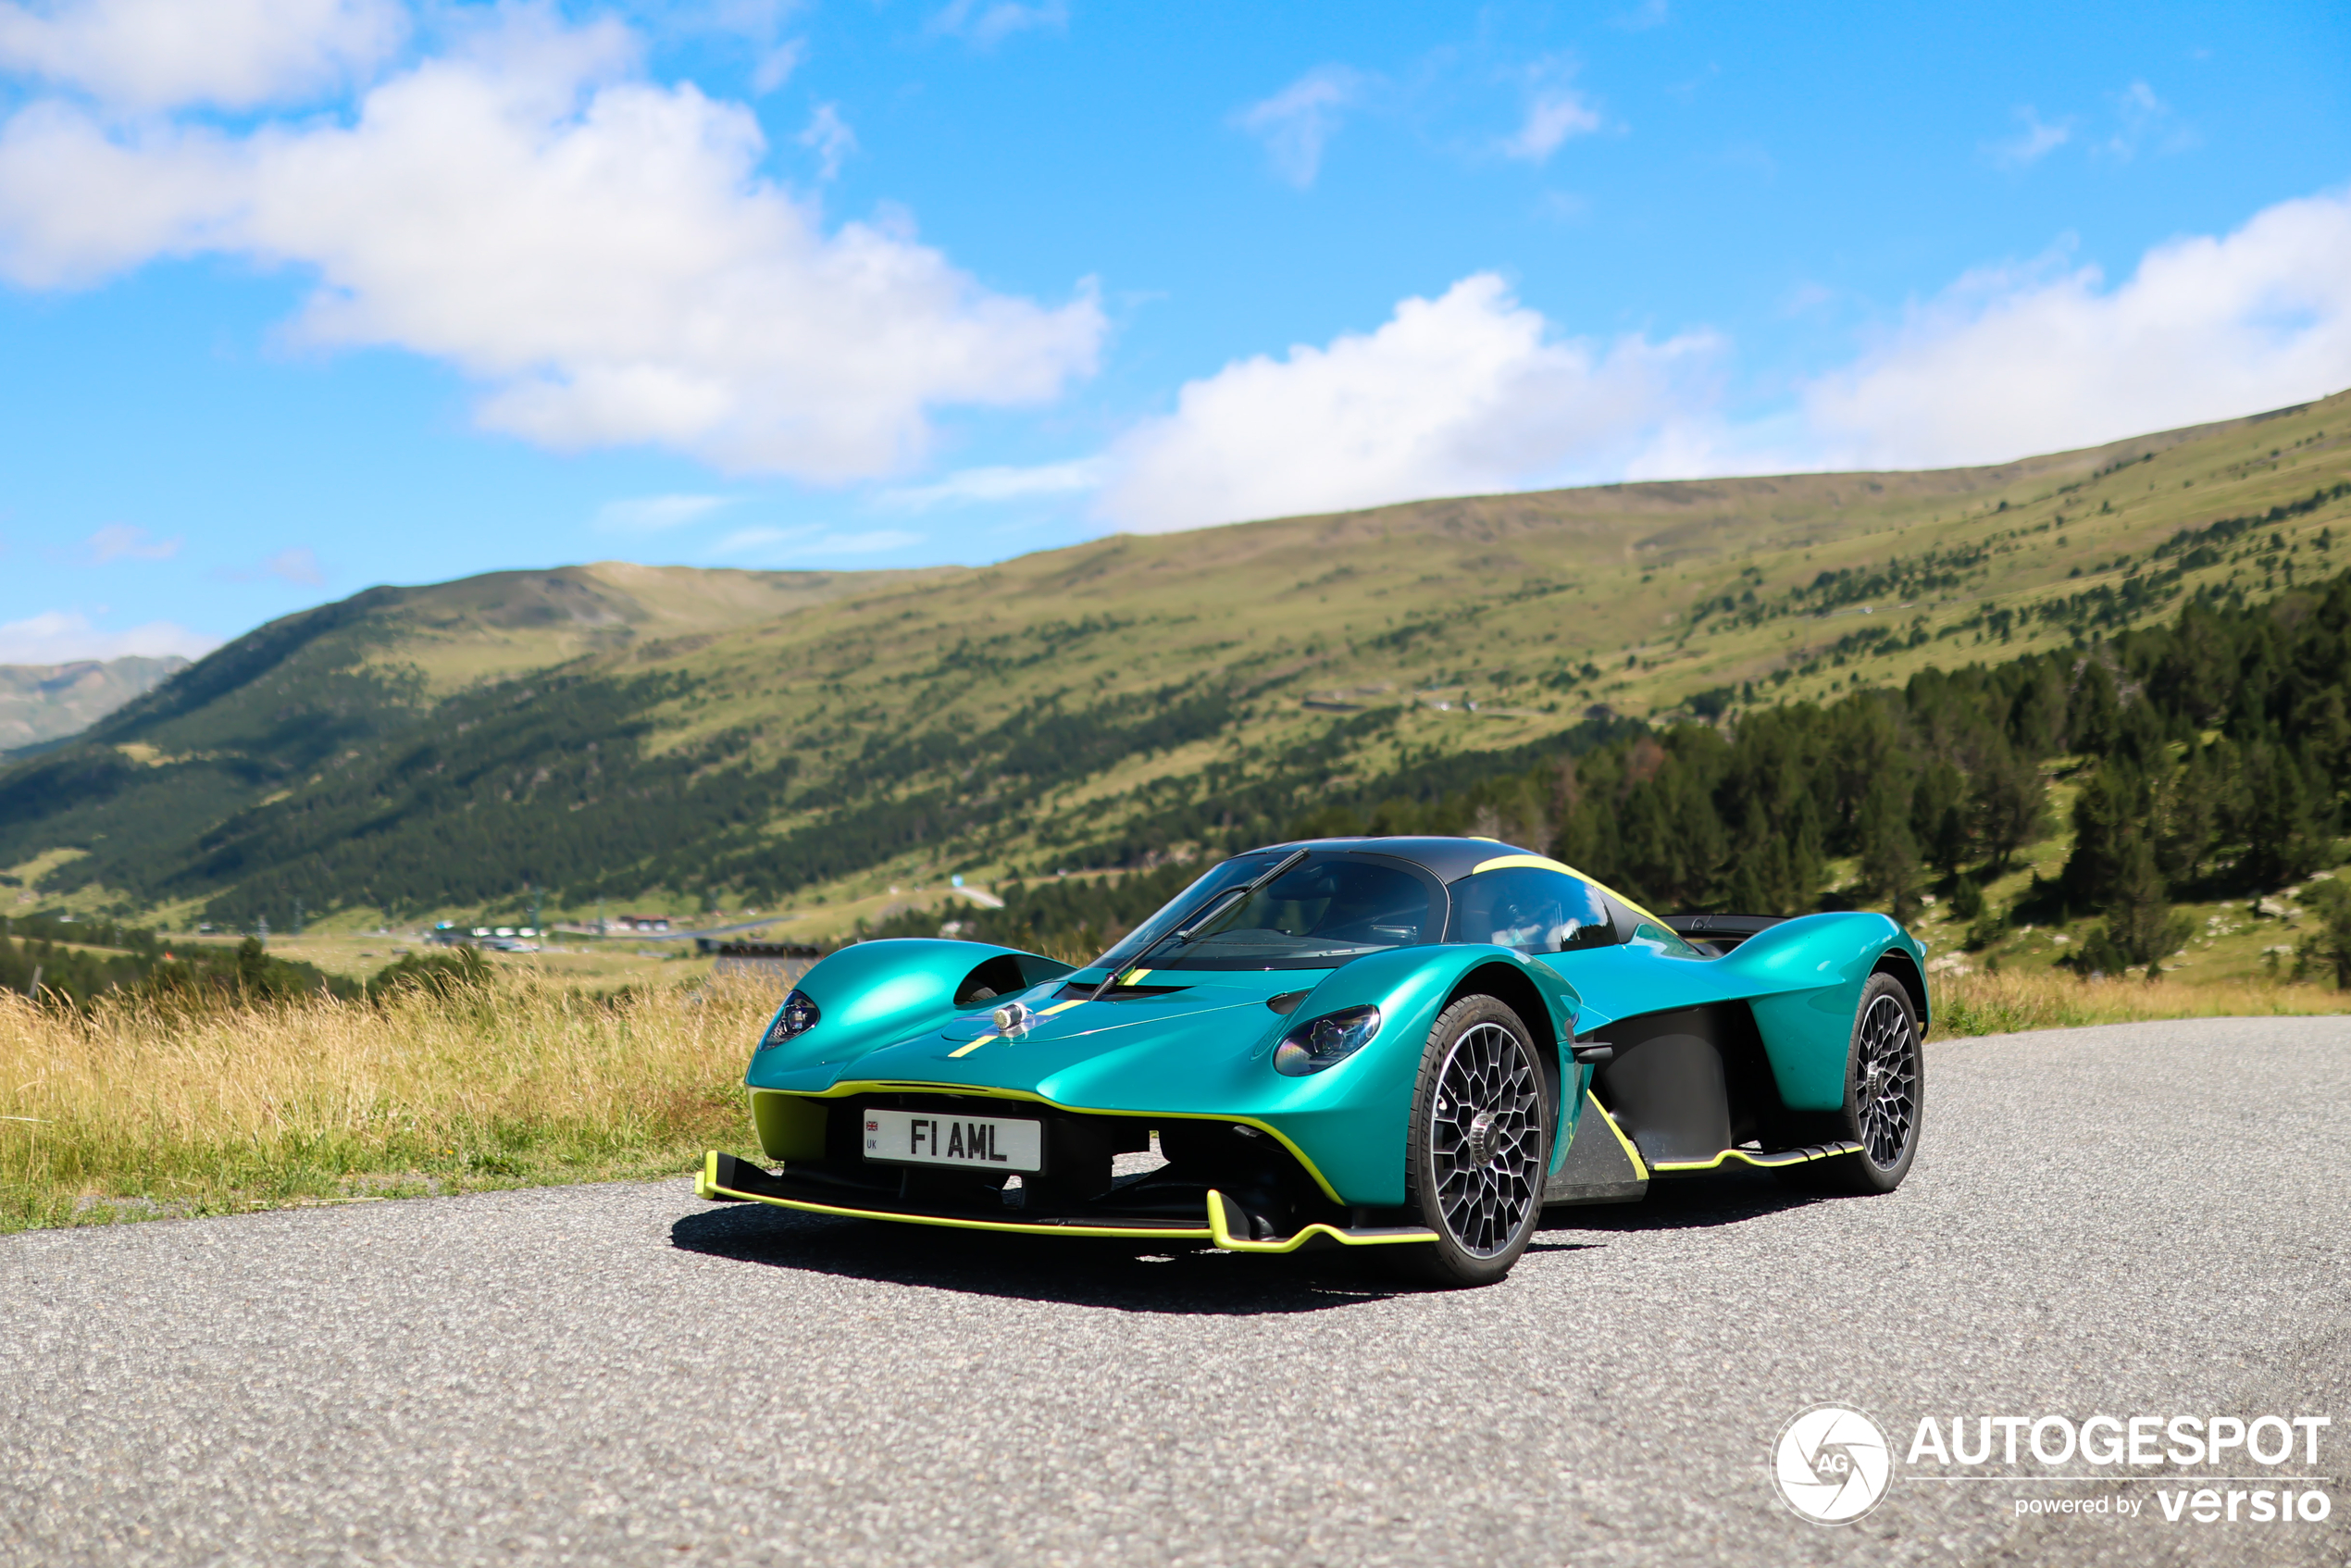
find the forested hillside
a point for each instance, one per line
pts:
(1879, 668)
(2209, 757)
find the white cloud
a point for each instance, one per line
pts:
(759, 24)
(654, 514)
(980, 486)
(776, 65)
(119, 542)
(830, 138)
(234, 54)
(2034, 140)
(987, 23)
(57, 636)
(1642, 17)
(1297, 122)
(298, 565)
(599, 252)
(1466, 392)
(1551, 119)
(2144, 119)
(2010, 362)
(1474, 391)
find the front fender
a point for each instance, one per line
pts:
(1350, 1120)
(872, 993)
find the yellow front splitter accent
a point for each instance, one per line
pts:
(1777, 1160)
(1223, 1213)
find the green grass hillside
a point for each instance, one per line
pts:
(679, 738)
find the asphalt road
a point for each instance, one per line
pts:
(2139, 1219)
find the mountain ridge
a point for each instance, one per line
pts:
(616, 731)
(42, 704)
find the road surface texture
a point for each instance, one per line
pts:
(2139, 1219)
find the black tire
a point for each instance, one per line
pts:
(1479, 1145)
(1885, 1096)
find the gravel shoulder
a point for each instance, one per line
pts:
(2140, 1218)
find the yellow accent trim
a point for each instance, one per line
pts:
(1226, 1239)
(1184, 1235)
(966, 1050)
(900, 1085)
(706, 1179)
(1545, 862)
(1640, 1171)
(1504, 861)
(1134, 977)
(1765, 1162)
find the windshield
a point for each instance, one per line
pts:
(1318, 915)
(1183, 906)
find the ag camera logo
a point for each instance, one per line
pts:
(1831, 1464)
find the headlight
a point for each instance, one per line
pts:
(1325, 1041)
(796, 1017)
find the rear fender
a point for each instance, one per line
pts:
(1803, 979)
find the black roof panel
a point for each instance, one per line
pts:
(1446, 859)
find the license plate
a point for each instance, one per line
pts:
(926, 1138)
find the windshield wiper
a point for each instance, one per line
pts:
(1217, 906)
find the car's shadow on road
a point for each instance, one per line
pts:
(1139, 1276)
(1687, 1203)
(1160, 1277)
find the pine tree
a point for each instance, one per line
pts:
(2186, 817)
(2284, 838)
(2140, 928)
(2093, 718)
(2008, 803)
(2327, 947)
(1760, 880)
(1889, 855)
(1938, 816)
(2110, 815)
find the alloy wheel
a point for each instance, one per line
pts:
(1486, 1140)
(1885, 1082)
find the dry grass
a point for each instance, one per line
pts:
(2041, 998)
(129, 1112)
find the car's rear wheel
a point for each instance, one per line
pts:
(1479, 1146)
(1884, 1095)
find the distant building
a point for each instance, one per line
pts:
(782, 962)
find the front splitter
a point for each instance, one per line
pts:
(1226, 1225)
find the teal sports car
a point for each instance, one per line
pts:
(1413, 1044)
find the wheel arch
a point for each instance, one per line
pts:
(1905, 970)
(1513, 986)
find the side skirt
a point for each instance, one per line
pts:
(1777, 1159)
(1602, 1165)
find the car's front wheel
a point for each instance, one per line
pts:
(1480, 1143)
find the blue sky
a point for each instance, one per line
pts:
(297, 296)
